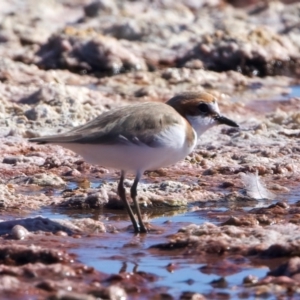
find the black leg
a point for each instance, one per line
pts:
(135, 268)
(123, 268)
(133, 192)
(122, 194)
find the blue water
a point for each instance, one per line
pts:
(295, 91)
(108, 252)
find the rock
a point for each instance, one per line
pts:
(65, 295)
(18, 232)
(99, 54)
(290, 268)
(44, 179)
(11, 160)
(9, 283)
(98, 7)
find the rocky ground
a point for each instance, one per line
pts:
(64, 62)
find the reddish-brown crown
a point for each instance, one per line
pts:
(187, 103)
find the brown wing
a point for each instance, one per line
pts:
(133, 124)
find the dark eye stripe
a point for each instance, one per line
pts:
(203, 107)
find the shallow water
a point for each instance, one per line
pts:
(295, 91)
(113, 253)
(263, 104)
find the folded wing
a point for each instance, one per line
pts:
(119, 127)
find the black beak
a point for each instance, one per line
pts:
(226, 121)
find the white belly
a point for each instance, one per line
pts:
(129, 158)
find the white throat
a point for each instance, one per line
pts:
(201, 124)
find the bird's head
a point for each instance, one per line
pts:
(200, 109)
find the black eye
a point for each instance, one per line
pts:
(203, 107)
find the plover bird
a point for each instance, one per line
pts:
(144, 136)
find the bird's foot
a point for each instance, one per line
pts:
(143, 228)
